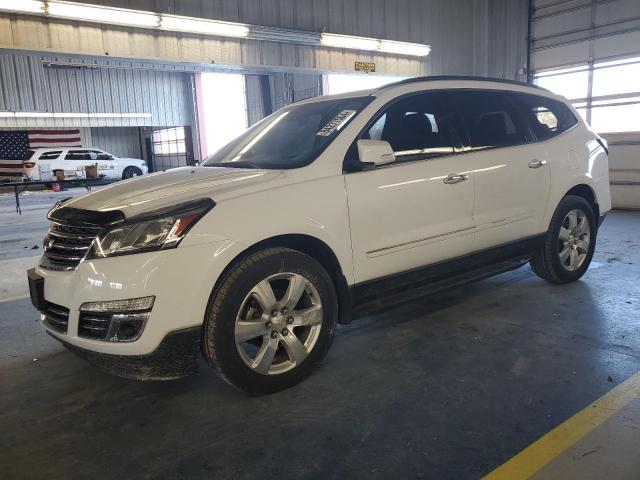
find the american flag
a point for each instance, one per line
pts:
(15, 143)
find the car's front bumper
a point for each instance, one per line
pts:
(181, 280)
(176, 357)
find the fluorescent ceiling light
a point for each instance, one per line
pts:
(373, 44)
(6, 114)
(34, 114)
(100, 14)
(70, 115)
(345, 41)
(175, 23)
(207, 27)
(403, 48)
(22, 6)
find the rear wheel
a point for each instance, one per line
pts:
(270, 321)
(131, 172)
(569, 243)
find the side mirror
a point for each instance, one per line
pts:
(377, 152)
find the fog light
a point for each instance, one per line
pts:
(126, 328)
(130, 305)
(114, 320)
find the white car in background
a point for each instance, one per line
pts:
(43, 163)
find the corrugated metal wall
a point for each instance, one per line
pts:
(120, 141)
(26, 84)
(507, 53)
(452, 27)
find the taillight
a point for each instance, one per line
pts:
(29, 164)
(603, 143)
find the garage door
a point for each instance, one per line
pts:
(589, 52)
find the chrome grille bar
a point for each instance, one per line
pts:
(66, 245)
(55, 317)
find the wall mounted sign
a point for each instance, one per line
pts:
(367, 67)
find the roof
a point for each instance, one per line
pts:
(440, 78)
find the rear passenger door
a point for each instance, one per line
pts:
(74, 162)
(510, 171)
(107, 164)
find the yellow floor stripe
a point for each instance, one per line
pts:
(551, 445)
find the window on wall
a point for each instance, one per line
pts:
(613, 78)
(612, 103)
(223, 109)
(611, 116)
(169, 141)
(572, 83)
(345, 82)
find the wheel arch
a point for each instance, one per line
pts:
(585, 191)
(316, 249)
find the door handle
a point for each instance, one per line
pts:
(537, 163)
(453, 178)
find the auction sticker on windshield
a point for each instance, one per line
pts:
(336, 123)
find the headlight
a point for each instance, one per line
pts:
(153, 231)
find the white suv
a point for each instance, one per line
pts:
(43, 163)
(312, 217)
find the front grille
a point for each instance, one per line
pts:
(94, 325)
(55, 317)
(65, 245)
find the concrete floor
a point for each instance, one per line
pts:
(447, 387)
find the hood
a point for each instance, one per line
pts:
(146, 193)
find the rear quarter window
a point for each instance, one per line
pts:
(546, 117)
(50, 155)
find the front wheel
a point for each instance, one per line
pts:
(270, 321)
(131, 172)
(569, 243)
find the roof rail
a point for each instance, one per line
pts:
(458, 77)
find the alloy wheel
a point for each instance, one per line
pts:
(278, 323)
(574, 239)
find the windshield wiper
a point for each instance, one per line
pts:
(242, 164)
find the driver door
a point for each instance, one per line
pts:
(418, 210)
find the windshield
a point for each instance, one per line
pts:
(291, 137)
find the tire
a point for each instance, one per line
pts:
(551, 262)
(131, 172)
(239, 301)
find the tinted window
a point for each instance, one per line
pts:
(50, 155)
(490, 119)
(78, 155)
(416, 127)
(547, 117)
(291, 137)
(98, 155)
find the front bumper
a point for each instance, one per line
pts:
(601, 219)
(176, 357)
(180, 279)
